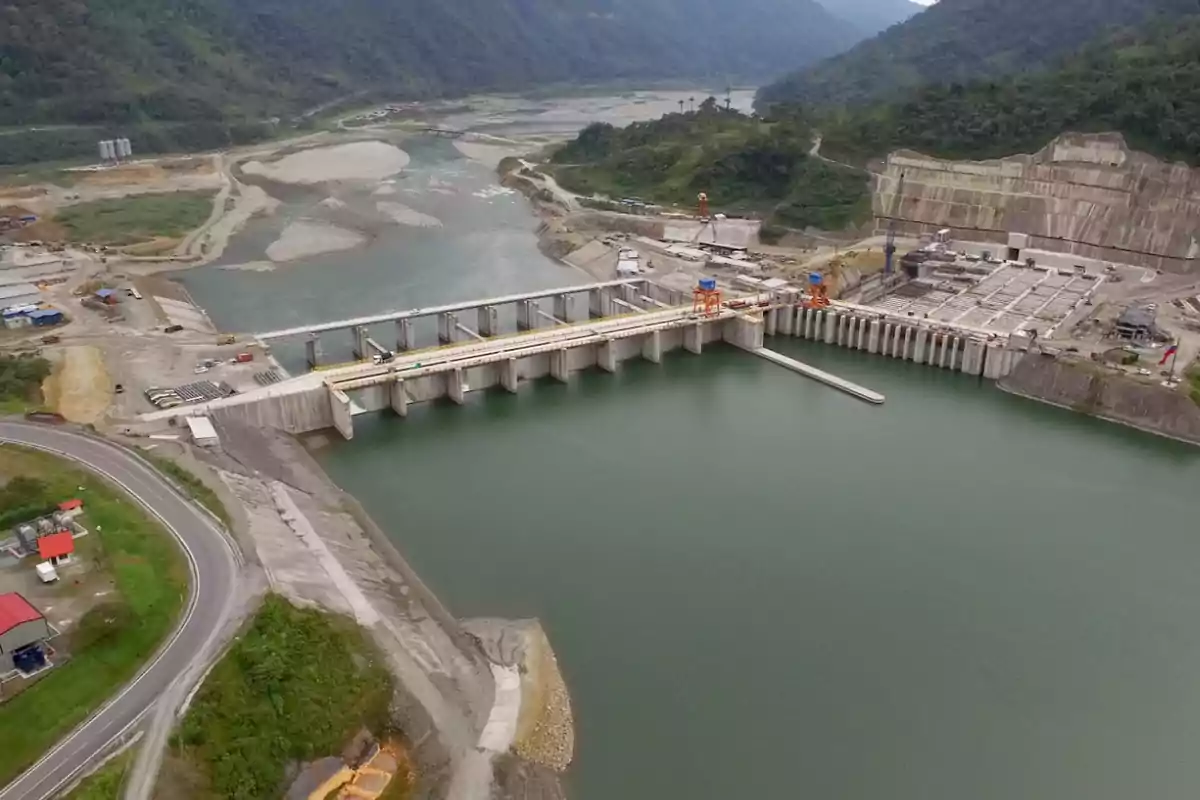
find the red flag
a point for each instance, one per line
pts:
(1170, 351)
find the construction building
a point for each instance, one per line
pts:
(1137, 324)
(23, 633)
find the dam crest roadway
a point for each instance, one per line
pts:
(632, 318)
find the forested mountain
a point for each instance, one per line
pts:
(744, 164)
(106, 60)
(872, 16)
(961, 40)
(1144, 84)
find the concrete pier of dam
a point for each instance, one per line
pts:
(332, 397)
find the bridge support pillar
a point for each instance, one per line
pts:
(769, 321)
(599, 303)
(360, 348)
(562, 307)
(919, 348)
(744, 332)
(887, 339)
(873, 336)
(404, 338)
(339, 402)
(560, 365)
(509, 375)
(905, 352)
(606, 356)
(693, 338)
(785, 320)
(489, 324)
(652, 347)
(447, 327)
(831, 323)
(527, 315)
(312, 349)
(973, 357)
(455, 385)
(399, 398)
(949, 345)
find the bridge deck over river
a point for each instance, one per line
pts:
(551, 344)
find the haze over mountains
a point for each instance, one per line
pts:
(872, 16)
(138, 60)
(961, 40)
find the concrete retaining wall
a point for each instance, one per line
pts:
(298, 412)
(1087, 388)
(1086, 194)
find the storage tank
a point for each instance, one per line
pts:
(124, 149)
(103, 150)
(708, 284)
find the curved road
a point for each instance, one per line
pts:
(213, 568)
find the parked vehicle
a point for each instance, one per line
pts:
(243, 358)
(173, 329)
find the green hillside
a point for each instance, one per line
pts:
(1145, 86)
(105, 61)
(959, 41)
(744, 164)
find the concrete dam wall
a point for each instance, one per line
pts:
(1086, 194)
(1086, 388)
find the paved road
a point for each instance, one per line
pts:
(213, 570)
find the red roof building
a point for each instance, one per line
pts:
(15, 610)
(70, 505)
(56, 545)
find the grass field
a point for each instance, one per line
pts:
(131, 220)
(194, 486)
(111, 641)
(297, 685)
(105, 783)
(21, 383)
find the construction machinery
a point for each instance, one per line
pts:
(818, 292)
(703, 200)
(889, 249)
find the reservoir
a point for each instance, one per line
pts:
(756, 586)
(759, 587)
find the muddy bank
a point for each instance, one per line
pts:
(306, 238)
(1087, 388)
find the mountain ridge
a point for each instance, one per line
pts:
(945, 44)
(91, 61)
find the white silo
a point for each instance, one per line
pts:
(123, 148)
(103, 150)
(109, 150)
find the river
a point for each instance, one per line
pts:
(759, 587)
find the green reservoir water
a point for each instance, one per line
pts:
(759, 587)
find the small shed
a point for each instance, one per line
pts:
(203, 432)
(72, 507)
(22, 629)
(45, 316)
(57, 548)
(107, 296)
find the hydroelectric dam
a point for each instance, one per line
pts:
(484, 344)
